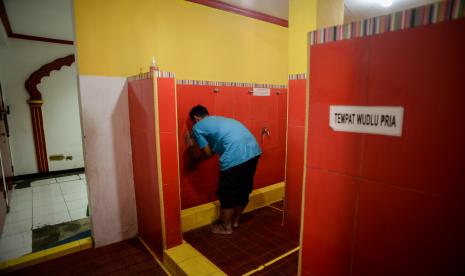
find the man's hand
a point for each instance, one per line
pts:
(194, 155)
(192, 164)
(188, 140)
(190, 145)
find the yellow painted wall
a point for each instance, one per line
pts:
(302, 19)
(330, 13)
(119, 37)
(306, 16)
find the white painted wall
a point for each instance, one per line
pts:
(18, 59)
(60, 112)
(105, 122)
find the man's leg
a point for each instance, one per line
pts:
(247, 174)
(224, 224)
(227, 216)
(237, 215)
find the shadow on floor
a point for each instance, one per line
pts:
(124, 258)
(259, 239)
(286, 266)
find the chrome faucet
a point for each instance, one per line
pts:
(265, 132)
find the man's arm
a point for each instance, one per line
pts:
(207, 151)
(194, 156)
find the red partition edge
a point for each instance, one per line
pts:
(295, 154)
(144, 159)
(166, 92)
(152, 112)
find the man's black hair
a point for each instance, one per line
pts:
(198, 110)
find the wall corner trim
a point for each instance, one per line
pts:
(11, 34)
(242, 11)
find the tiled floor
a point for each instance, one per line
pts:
(124, 258)
(47, 202)
(259, 239)
(287, 266)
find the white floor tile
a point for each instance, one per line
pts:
(19, 204)
(82, 176)
(53, 207)
(76, 189)
(44, 195)
(21, 194)
(54, 200)
(50, 219)
(73, 186)
(14, 242)
(17, 227)
(47, 190)
(77, 204)
(18, 216)
(21, 198)
(27, 238)
(43, 182)
(78, 213)
(15, 253)
(11, 242)
(68, 178)
(75, 196)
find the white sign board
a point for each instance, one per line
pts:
(261, 92)
(367, 119)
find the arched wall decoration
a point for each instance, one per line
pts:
(35, 104)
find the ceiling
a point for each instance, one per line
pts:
(53, 18)
(276, 8)
(44, 18)
(355, 10)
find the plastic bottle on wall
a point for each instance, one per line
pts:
(153, 66)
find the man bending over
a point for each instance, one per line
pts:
(239, 153)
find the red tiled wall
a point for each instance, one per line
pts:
(144, 155)
(199, 187)
(381, 205)
(144, 152)
(169, 160)
(295, 154)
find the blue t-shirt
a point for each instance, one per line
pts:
(228, 138)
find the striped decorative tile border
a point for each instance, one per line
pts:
(164, 75)
(149, 75)
(232, 84)
(302, 76)
(425, 15)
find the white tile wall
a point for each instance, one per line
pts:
(46, 202)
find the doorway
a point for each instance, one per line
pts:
(47, 193)
(46, 208)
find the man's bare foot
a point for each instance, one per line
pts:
(220, 229)
(218, 221)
